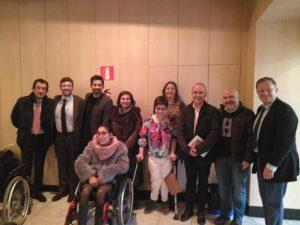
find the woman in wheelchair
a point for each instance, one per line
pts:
(102, 159)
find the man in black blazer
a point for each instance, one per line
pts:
(66, 127)
(198, 118)
(31, 116)
(277, 161)
(97, 110)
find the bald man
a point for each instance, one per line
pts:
(234, 156)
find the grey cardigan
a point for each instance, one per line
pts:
(88, 164)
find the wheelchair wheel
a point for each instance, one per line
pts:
(16, 200)
(125, 202)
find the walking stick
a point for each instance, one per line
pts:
(176, 217)
(135, 169)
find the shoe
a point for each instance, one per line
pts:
(59, 195)
(235, 222)
(222, 219)
(165, 208)
(70, 197)
(186, 215)
(201, 219)
(40, 197)
(151, 205)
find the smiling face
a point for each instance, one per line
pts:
(170, 91)
(160, 112)
(66, 88)
(125, 101)
(266, 92)
(40, 90)
(230, 99)
(103, 136)
(97, 86)
(198, 94)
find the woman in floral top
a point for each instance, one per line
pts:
(159, 134)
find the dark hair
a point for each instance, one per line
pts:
(177, 97)
(108, 128)
(97, 77)
(42, 81)
(263, 79)
(125, 93)
(66, 79)
(160, 100)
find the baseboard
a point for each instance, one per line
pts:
(290, 214)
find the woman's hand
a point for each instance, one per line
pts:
(140, 157)
(172, 157)
(93, 181)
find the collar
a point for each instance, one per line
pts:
(199, 108)
(67, 98)
(236, 108)
(269, 105)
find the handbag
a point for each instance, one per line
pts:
(172, 183)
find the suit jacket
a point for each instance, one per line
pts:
(277, 142)
(101, 112)
(78, 107)
(22, 119)
(208, 127)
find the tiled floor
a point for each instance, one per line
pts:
(53, 213)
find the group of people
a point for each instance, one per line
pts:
(95, 140)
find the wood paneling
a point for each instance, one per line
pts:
(193, 32)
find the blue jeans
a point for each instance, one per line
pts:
(271, 195)
(232, 186)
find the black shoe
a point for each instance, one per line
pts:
(71, 197)
(186, 215)
(235, 222)
(59, 195)
(201, 219)
(222, 219)
(40, 197)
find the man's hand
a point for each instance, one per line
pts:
(93, 181)
(268, 174)
(245, 165)
(193, 152)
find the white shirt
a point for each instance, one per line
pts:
(197, 110)
(69, 114)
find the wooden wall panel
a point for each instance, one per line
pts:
(134, 50)
(107, 39)
(189, 75)
(32, 41)
(163, 32)
(158, 76)
(10, 82)
(220, 77)
(57, 43)
(193, 32)
(225, 32)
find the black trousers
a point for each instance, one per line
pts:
(66, 153)
(34, 151)
(201, 172)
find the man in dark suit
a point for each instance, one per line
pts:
(66, 127)
(274, 143)
(31, 116)
(97, 110)
(198, 118)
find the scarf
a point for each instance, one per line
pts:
(104, 152)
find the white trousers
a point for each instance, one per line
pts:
(159, 169)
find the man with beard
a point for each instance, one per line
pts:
(197, 120)
(66, 126)
(234, 156)
(31, 116)
(97, 110)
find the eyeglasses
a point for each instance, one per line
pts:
(160, 108)
(102, 133)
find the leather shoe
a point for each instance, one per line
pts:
(222, 219)
(186, 215)
(59, 195)
(201, 219)
(70, 197)
(40, 197)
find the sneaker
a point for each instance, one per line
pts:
(235, 222)
(222, 219)
(151, 205)
(165, 208)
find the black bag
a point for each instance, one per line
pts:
(8, 162)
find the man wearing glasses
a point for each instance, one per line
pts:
(234, 156)
(31, 116)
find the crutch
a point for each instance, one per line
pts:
(135, 169)
(176, 217)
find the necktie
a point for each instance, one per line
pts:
(255, 130)
(63, 117)
(36, 126)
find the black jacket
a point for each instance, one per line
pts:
(277, 142)
(208, 126)
(22, 118)
(241, 134)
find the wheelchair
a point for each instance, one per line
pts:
(15, 193)
(117, 208)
